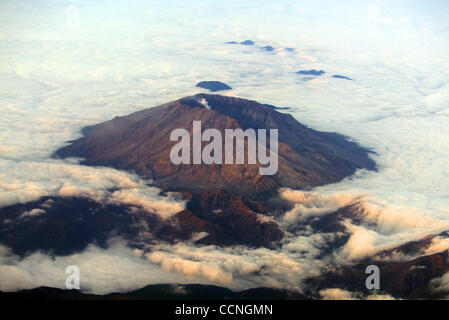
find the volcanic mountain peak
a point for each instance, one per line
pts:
(140, 142)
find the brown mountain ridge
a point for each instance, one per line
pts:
(140, 142)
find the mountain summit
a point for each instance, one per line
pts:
(140, 142)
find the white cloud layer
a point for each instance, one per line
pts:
(67, 64)
(340, 294)
(121, 269)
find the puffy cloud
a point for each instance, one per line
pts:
(361, 243)
(205, 104)
(380, 297)
(394, 219)
(32, 213)
(165, 207)
(384, 228)
(56, 80)
(309, 204)
(337, 294)
(23, 181)
(240, 267)
(262, 218)
(441, 284)
(438, 244)
(190, 268)
(120, 268)
(380, 226)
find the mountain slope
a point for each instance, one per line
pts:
(140, 142)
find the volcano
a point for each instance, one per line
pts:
(227, 205)
(140, 142)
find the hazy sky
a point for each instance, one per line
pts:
(67, 64)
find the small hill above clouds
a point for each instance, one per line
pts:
(267, 48)
(337, 76)
(140, 142)
(312, 72)
(213, 85)
(247, 42)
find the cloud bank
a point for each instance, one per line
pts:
(68, 64)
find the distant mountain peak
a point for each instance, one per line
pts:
(213, 85)
(337, 76)
(312, 72)
(247, 42)
(267, 48)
